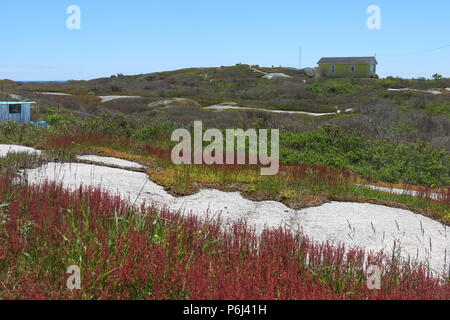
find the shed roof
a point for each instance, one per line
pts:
(17, 102)
(348, 60)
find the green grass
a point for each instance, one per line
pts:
(442, 108)
(338, 87)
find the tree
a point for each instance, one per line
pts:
(437, 76)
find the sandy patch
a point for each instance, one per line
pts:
(371, 226)
(174, 101)
(111, 161)
(276, 76)
(133, 186)
(432, 91)
(54, 93)
(234, 106)
(257, 70)
(377, 227)
(5, 149)
(111, 98)
(398, 191)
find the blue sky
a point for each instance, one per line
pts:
(141, 36)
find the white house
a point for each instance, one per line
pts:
(16, 111)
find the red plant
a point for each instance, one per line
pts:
(158, 254)
(60, 141)
(318, 174)
(157, 152)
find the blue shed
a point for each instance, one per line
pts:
(16, 111)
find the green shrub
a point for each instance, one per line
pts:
(117, 125)
(417, 163)
(145, 133)
(340, 87)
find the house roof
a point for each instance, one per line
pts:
(348, 60)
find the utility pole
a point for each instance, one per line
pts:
(300, 59)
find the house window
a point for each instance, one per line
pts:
(15, 108)
(352, 68)
(372, 68)
(333, 68)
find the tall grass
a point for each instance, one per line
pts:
(14, 161)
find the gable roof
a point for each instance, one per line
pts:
(348, 60)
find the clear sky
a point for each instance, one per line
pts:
(141, 36)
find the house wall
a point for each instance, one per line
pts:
(25, 116)
(343, 70)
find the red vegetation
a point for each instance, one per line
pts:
(319, 174)
(162, 255)
(160, 153)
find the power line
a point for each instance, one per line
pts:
(413, 54)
